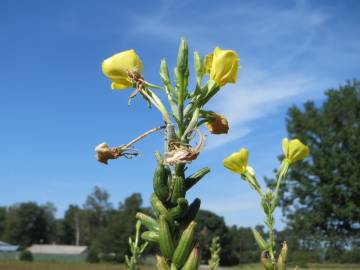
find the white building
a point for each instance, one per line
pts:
(58, 250)
(6, 247)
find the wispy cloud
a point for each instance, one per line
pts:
(257, 95)
(262, 89)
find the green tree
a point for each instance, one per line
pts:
(2, 220)
(113, 238)
(73, 226)
(96, 210)
(28, 223)
(321, 195)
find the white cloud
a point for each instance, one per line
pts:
(273, 37)
(257, 94)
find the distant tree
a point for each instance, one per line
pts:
(74, 226)
(113, 238)
(209, 226)
(321, 196)
(96, 210)
(28, 223)
(97, 203)
(2, 220)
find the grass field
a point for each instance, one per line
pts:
(15, 265)
(309, 267)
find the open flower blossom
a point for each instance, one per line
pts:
(294, 150)
(237, 162)
(217, 124)
(118, 67)
(222, 66)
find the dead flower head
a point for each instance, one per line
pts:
(104, 152)
(184, 153)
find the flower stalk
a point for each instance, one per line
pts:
(294, 151)
(172, 226)
(136, 249)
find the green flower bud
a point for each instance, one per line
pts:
(281, 263)
(199, 67)
(164, 72)
(196, 177)
(166, 241)
(182, 59)
(150, 236)
(184, 246)
(266, 260)
(161, 263)
(260, 240)
(193, 261)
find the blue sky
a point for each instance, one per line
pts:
(56, 105)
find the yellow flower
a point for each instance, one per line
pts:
(222, 66)
(237, 162)
(294, 150)
(116, 68)
(217, 124)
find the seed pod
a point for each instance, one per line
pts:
(193, 261)
(157, 205)
(150, 236)
(160, 180)
(196, 177)
(166, 241)
(178, 189)
(161, 263)
(281, 263)
(185, 245)
(148, 221)
(191, 212)
(180, 210)
(266, 260)
(259, 240)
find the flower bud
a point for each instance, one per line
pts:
(266, 260)
(193, 261)
(222, 66)
(117, 67)
(182, 60)
(161, 263)
(294, 150)
(260, 240)
(281, 263)
(217, 124)
(208, 63)
(164, 72)
(199, 67)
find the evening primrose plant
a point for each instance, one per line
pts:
(172, 225)
(294, 151)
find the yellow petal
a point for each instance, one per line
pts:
(116, 68)
(237, 162)
(120, 86)
(225, 65)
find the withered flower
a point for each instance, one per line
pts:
(184, 153)
(104, 152)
